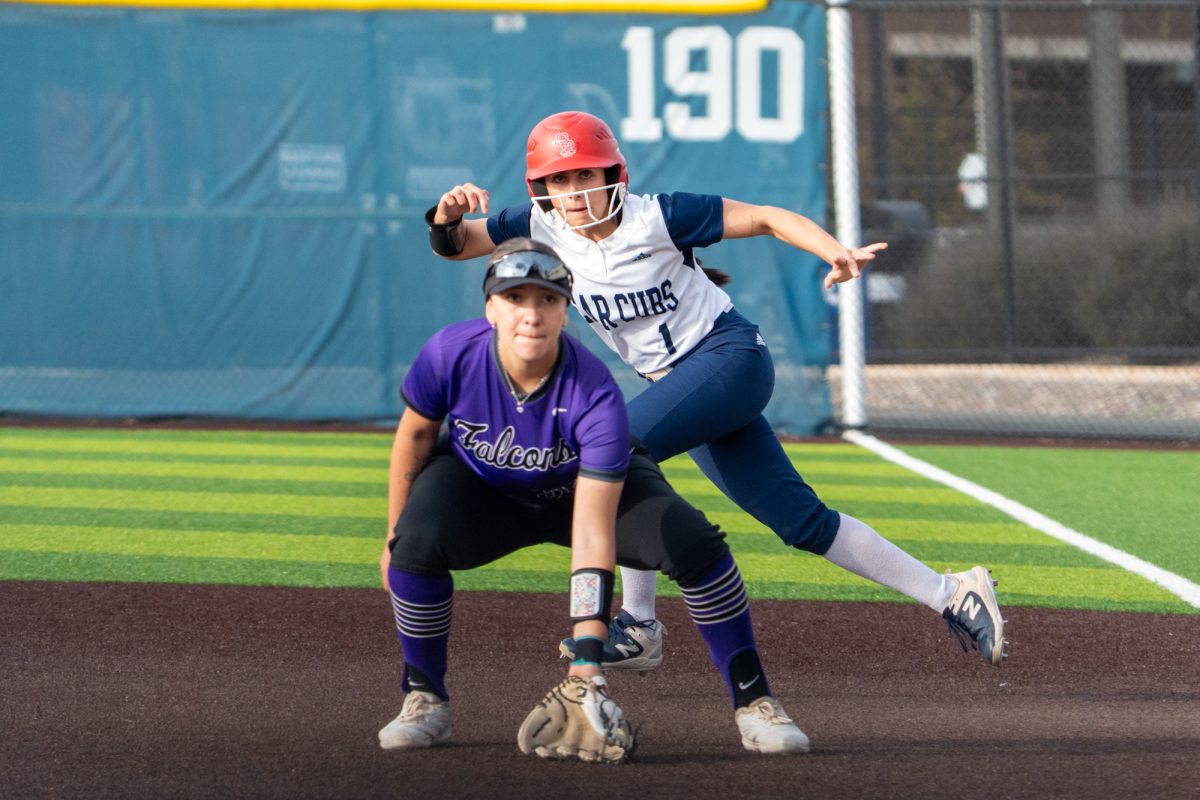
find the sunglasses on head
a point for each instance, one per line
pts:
(532, 264)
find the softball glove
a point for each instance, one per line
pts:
(577, 719)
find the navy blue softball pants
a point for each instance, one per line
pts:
(710, 406)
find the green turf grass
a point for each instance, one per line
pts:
(1145, 502)
(305, 509)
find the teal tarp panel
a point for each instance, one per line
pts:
(220, 213)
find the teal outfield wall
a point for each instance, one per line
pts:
(220, 214)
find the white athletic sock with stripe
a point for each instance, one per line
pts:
(637, 592)
(859, 549)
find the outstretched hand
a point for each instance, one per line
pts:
(850, 263)
(455, 203)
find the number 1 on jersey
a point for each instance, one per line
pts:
(665, 332)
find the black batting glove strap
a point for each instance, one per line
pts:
(591, 594)
(446, 238)
(589, 651)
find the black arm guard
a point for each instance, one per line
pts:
(446, 239)
(591, 594)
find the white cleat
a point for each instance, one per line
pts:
(974, 617)
(766, 728)
(423, 722)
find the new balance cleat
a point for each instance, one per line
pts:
(631, 644)
(423, 722)
(973, 616)
(766, 728)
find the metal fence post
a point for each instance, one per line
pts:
(994, 115)
(844, 144)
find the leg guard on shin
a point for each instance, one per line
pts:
(422, 607)
(718, 605)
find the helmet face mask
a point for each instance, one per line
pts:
(573, 140)
(554, 205)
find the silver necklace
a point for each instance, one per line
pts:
(520, 397)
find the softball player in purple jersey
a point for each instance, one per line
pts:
(537, 449)
(639, 286)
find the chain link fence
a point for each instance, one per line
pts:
(1036, 168)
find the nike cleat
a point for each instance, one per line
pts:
(766, 728)
(973, 616)
(424, 721)
(631, 644)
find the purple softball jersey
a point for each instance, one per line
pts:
(574, 424)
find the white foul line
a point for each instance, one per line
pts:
(1175, 584)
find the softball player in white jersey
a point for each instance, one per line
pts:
(640, 287)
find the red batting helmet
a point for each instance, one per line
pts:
(572, 140)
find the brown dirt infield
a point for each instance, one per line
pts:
(152, 691)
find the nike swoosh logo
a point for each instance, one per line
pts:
(554, 411)
(749, 683)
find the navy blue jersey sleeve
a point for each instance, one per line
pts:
(424, 387)
(510, 223)
(693, 220)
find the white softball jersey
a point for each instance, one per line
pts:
(641, 288)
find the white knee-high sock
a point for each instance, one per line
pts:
(637, 592)
(859, 549)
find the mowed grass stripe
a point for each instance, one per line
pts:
(229, 502)
(961, 554)
(368, 450)
(787, 590)
(223, 462)
(926, 494)
(190, 544)
(1004, 531)
(1102, 583)
(964, 544)
(1016, 579)
(800, 452)
(169, 519)
(258, 572)
(42, 553)
(821, 480)
(910, 529)
(241, 469)
(233, 485)
(830, 471)
(868, 509)
(203, 545)
(174, 569)
(298, 439)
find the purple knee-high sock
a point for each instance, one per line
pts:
(717, 604)
(422, 607)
